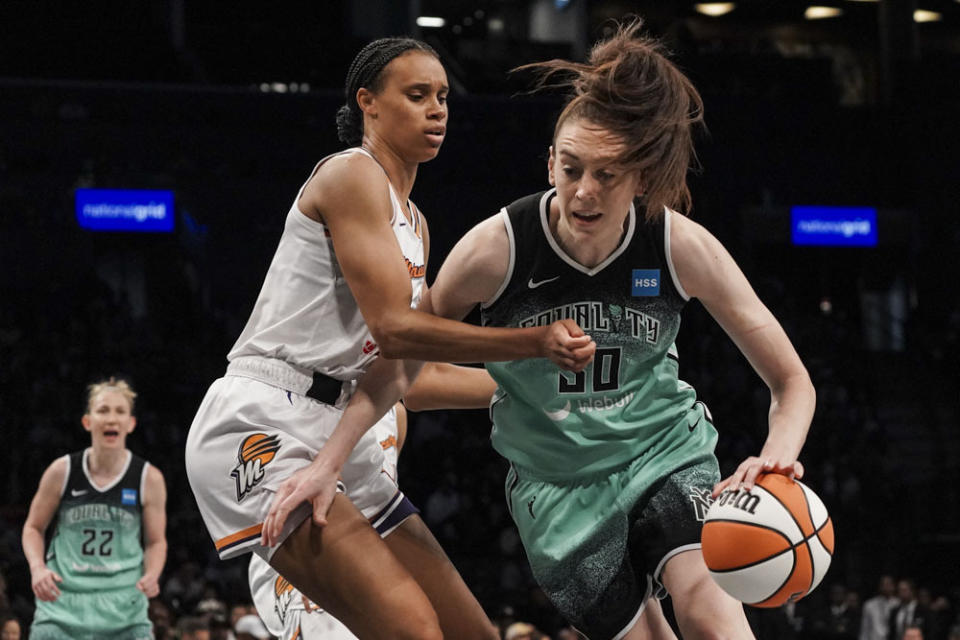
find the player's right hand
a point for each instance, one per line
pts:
(44, 582)
(315, 483)
(566, 345)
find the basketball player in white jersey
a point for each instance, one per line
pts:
(340, 291)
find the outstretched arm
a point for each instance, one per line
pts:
(708, 272)
(44, 580)
(449, 386)
(154, 532)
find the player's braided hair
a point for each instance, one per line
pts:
(366, 70)
(629, 87)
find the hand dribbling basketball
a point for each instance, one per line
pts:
(768, 545)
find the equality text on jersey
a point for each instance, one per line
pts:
(596, 316)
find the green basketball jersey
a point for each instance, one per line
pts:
(629, 402)
(97, 543)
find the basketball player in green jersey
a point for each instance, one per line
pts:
(109, 545)
(612, 469)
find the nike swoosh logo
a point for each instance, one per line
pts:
(77, 493)
(534, 285)
(562, 414)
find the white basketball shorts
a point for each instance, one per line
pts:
(253, 430)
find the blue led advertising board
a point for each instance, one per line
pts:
(138, 210)
(833, 226)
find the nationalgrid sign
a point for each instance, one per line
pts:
(138, 210)
(833, 226)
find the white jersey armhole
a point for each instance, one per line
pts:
(667, 216)
(512, 260)
(66, 477)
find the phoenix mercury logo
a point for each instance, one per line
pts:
(283, 591)
(255, 452)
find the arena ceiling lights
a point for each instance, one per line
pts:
(434, 22)
(819, 13)
(922, 15)
(715, 9)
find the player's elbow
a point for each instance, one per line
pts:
(798, 385)
(395, 337)
(413, 400)
(805, 386)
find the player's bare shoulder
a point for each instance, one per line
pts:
(56, 474)
(695, 253)
(489, 243)
(474, 270)
(686, 235)
(343, 182)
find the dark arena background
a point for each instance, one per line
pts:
(229, 105)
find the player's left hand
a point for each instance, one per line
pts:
(746, 474)
(149, 585)
(316, 483)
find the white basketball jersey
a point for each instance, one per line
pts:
(305, 313)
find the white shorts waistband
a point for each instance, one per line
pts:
(272, 371)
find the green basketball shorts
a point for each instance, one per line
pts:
(597, 546)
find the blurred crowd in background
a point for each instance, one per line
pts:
(879, 329)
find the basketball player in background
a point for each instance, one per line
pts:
(342, 289)
(94, 580)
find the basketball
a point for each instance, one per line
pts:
(768, 546)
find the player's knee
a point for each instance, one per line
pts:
(706, 612)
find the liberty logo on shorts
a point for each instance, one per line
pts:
(283, 590)
(701, 499)
(255, 452)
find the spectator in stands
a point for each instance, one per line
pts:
(523, 631)
(875, 619)
(9, 628)
(162, 619)
(837, 620)
(909, 613)
(194, 628)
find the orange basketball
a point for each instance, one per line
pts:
(768, 546)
